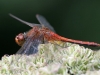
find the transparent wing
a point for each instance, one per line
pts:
(44, 22)
(30, 46)
(25, 22)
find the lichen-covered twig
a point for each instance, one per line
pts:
(53, 59)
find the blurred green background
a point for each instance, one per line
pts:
(76, 19)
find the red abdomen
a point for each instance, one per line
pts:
(56, 37)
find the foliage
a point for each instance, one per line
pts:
(57, 58)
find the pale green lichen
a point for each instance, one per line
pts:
(53, 59)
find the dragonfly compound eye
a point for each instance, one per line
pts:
(20, 39)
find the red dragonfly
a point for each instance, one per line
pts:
(39, 34)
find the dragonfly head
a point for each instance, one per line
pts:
(20, 39)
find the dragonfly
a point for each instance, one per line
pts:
(41, 33)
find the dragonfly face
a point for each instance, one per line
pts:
(20, 39)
